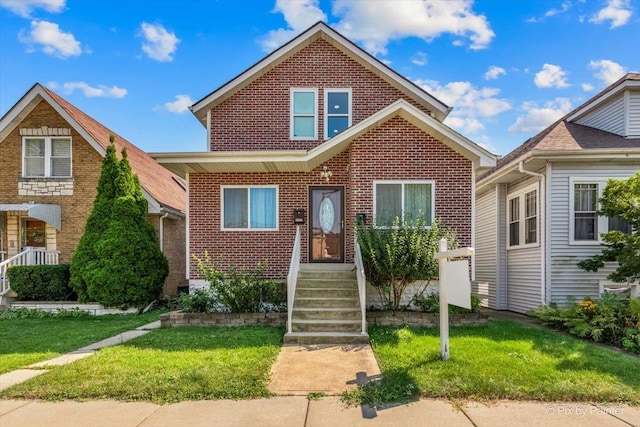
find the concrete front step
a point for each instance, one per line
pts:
(326, 293)
(311, 302)
(314, 338)
(338, 325)
(329, 274)
(326, 313)
(326, 283)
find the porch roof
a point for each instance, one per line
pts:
(307, 160)
(47, 213)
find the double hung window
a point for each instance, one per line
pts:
(249, 208)
(522, 214)
(46, 157)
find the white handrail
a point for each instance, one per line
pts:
(30, 256)
(362, 285)
(292, 277)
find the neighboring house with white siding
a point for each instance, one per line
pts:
(535, 211)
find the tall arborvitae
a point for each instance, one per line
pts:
(128, 268)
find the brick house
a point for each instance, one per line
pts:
(315, 135)
(50, 161)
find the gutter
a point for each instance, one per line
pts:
(161, 227)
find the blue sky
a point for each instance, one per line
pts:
(509, 68)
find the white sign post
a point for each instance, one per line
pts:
(455, 288)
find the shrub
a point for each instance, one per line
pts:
(396, 256)
(237, 291)
(32, 313)
(41, 282)
(198, 301)
(612, 319)
(431, 304)
(118, 262)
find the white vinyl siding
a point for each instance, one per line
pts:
(633, 115)
(304, 113)
(609, 117)
(524, 269)
(487, 243)
(46, 157)
(567, 280)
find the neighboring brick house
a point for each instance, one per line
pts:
(50, 161)
(536, 210)
(322, 127)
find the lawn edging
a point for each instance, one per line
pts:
(177, 319)
(374, 318)
(423, 320)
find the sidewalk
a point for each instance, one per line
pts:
(297, 411)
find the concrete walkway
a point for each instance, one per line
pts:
(297, 411)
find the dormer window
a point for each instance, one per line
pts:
(46, 157)
(337, 111)
(304, 114)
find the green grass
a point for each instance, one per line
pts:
(502, 361)
(167, 365)
(29, 340)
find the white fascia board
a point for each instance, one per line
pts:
(7, 126)
(153, 207)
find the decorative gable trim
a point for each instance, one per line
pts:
(317, 32)
(45, 131)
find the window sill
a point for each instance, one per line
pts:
(44, 178)
(585, 243)
(249, 229)
(527, 246)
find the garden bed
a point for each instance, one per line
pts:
(94, 309)
(423, 320)
(177, 319)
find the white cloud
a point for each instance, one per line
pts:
(607, 70)
(494, 72)
(420, 58)
(299, 15)
(160, 44)
(470, 103)
(25, 7)
(376, 23)
(179, 106)
(565, 7)
(537, 118)
(101, 91)
(551, 76)
(587, 87)
(51, 39)
(617, 11)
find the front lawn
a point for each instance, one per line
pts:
(167, 365)
(505, 360)
(24, 341)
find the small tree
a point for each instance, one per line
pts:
(620, 199)
(397, 256)
(124, 265)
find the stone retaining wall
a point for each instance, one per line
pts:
(419, 319)
(223, 319)
(54, 306)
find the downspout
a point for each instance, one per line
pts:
(161, 227)
(543, 265)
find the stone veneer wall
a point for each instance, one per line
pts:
(45, 187)
(176, 319)
(423, 320)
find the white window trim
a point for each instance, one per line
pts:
(521, 221)
(326, 109)
(315, 114)
(603, 221)
(403, 182)
(248, 187)
(47, 157)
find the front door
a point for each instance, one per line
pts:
(34, 233)
(326, 225)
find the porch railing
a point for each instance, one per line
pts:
(362, 285)
(30, 256)
(292, 277)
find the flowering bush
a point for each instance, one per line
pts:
(612, 319)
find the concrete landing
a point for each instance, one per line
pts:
(331, 369)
